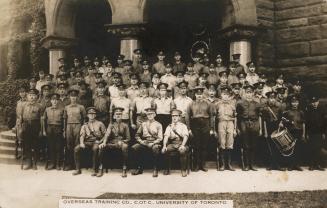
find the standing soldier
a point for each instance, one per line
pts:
(163, 105)
(104, 69)
(258, 96)
(200, 115)
(120, 63)
(236, 91)
(41, 81)
(145, 75)
(179, 79)
(91, 135)
(219, 64)
(252, 77)
(226, 117)
(191, 78)
(90, 78)
(87, 64)
(32, 83)
(74, 117)
(137, 57)
(169, 79)
(223, 81)
(175, 140)
(53, 122)
(239, 67)
(96, 63)
(182, 102)
(85, 95)
(76, 67)
(213, 77)
(248, 111)
(179, 66)
(30, 118)
(117, 137)
(79, 77)
(101, 102)
(133, 91)
(198, 67)
(153, 89)
(124, 103)
(160, 66)
(233, 75)
(316, 133)
(113, 89)
(63, 99)
(20, 103)
(148, 138)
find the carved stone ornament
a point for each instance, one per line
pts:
(51, 42)
(238, 32)
(126, 30)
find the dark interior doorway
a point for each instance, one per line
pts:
(93, 39)
(177, 25)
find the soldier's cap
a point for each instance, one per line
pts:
(62, 85)
(211, 65)
(46, 87)
(177, 53)
(262, 75)
(41, 72)
(96, 59)
(143, 85)
(175, 112)
(134, 76)
(76, 60)
(161, 53)
(314, 99)
(205, 55)
(33, 92)
(145, 62)
(137, 51)
(281, 90)
(54, 96)
(280, 76)
(105, 58)
(183, 84)
(225, 89)
(86, 58)
(101, 83)
(212, 87)
(259, 85)
(22, 89)
(198, 89)
(204, 74)
(63, 75)
(236, 85)
(150, 110)
(250, 64)
(218, 56)
(168, 65)
(121, 57)
(121, 87)
(91, 110)
(236, 56)
(116, 74)
(73, 92)
(33, 79)
(297, 82)
(109, 64)
(179, 73)
(190, 64)
(118, 110)
(78, 73)
(98, 74)
(223, 73)
(61, 59)
(241, 75)
(162, 86)
(128, 63)
(248, 88)
(156, 75)
(271, 94)
(49, 76)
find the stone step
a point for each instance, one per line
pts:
(8, 159)
(8, 135)
(7, 150)
(7, 143)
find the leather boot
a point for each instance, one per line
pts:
(29, 165)
(155, 172)
(222, 160)
(167, 164)
(203, 161)
(245, 161)
(124, 173)
(34, 165)
(251, 161)
(100, 173)
(183, 160)
(229, 160)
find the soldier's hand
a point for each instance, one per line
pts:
(260, 132)
(323, 136)
(281, 125)
(120, 143)
(44, 133)
(238, 131)
(102, 145)
(190, 132)
(150, 145)
(82, 145)
(64, 134)
(181, 148)
(211, 132)
(164, 149)
(266, 135)
(235, 133)
(133, 126)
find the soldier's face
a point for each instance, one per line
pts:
(96, 63)
(46, 92)
(177, 58)
(183, 91)
(128, 67)
(219, 60)
(249, 94)
(155, 80)
(196, 59)
(272, 99)
(54, 102)
(224, 96)
(61, 91)
(295, 104)
(119, 61)
(297, 88)
(212, 93)
(175, 118)
(315, 104)
(82, 91)
(134, 81)
(161, 58)
(190, 69)
(73, 99)
(279, 81)
(179, 79)
(137, 56)
(87, 62)
(202, 81)
(258, 91)
(252, 69)
(76, 63)
(100, 90)
(91, 116)
(151, 116)
(223, 80)
(232, 68)
(118, 116)
(122, 93)
(78, 78)
(168, 70)
(236, 91)
(145, 67)
(198, 96)
(211, 69)
(143, 91)
(22, 94)
(32, 85)
(163, 92)
(32, 97)
(105, 62)
(41, 76)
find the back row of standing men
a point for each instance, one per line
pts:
(209, 99)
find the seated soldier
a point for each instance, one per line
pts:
(175, 139)
(148, 137)
(90, 137)
(116, 137)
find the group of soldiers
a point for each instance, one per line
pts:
(165, 109)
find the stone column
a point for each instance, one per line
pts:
(58, 47)
(241, 40)
(129, 35)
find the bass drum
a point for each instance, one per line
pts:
(284, 141)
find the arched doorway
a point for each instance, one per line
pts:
(183, 26)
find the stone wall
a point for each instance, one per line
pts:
(301, 41)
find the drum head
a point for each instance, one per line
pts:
(276, 133)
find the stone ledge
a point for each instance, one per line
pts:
(318, 47)
(307, 11)
(300, 49)
(292, 23)
(299, 34)
(291, 4)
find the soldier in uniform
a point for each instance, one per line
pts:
(85, 95)
(125, 104)
(41, 81)
(160, 66)
(145, 75)
(32, 83)
(280, 83)
(169, 79)
(282, 94)
(49, 79)
(227, 122)
(175, 141)
(163, 105)
(96, 63)
(179, 65)
(87, 64)
(182, 102)
(148, 138)
(30, 118)
(120, 63)
(219, 64)
(22, 100)
(258, 96)
(117, 137)
(133, 91)
(90, 78)
(74, 117)
(213, 77)
(127, 71)
(104, 69)
(137, 57)
(233, 74)
(179, 79)
(79, 77)
(197, 66)
(212, 93)
(153, 89)
(315, 120)
(236, 60)
(236, 90)
(113, 89)
(91, 135)
(101, 102)
(202, 82)
(63, 99)
(200, 119)
(53, 122)
(252, 77)
(249, 116)
(191, 78)
(272, 113)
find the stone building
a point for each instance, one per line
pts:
(279, 35)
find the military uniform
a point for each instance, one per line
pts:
(90, 137)
(169, 79)
(153, 89)
(132, 92)
(178, 65)
(159, 67)
(182, 102)
(148, 137)
(213, 77)
(101, 102)
(123, 103)
(18, 126)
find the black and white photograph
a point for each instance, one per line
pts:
(163, 103)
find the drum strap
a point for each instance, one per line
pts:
(272, 112)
